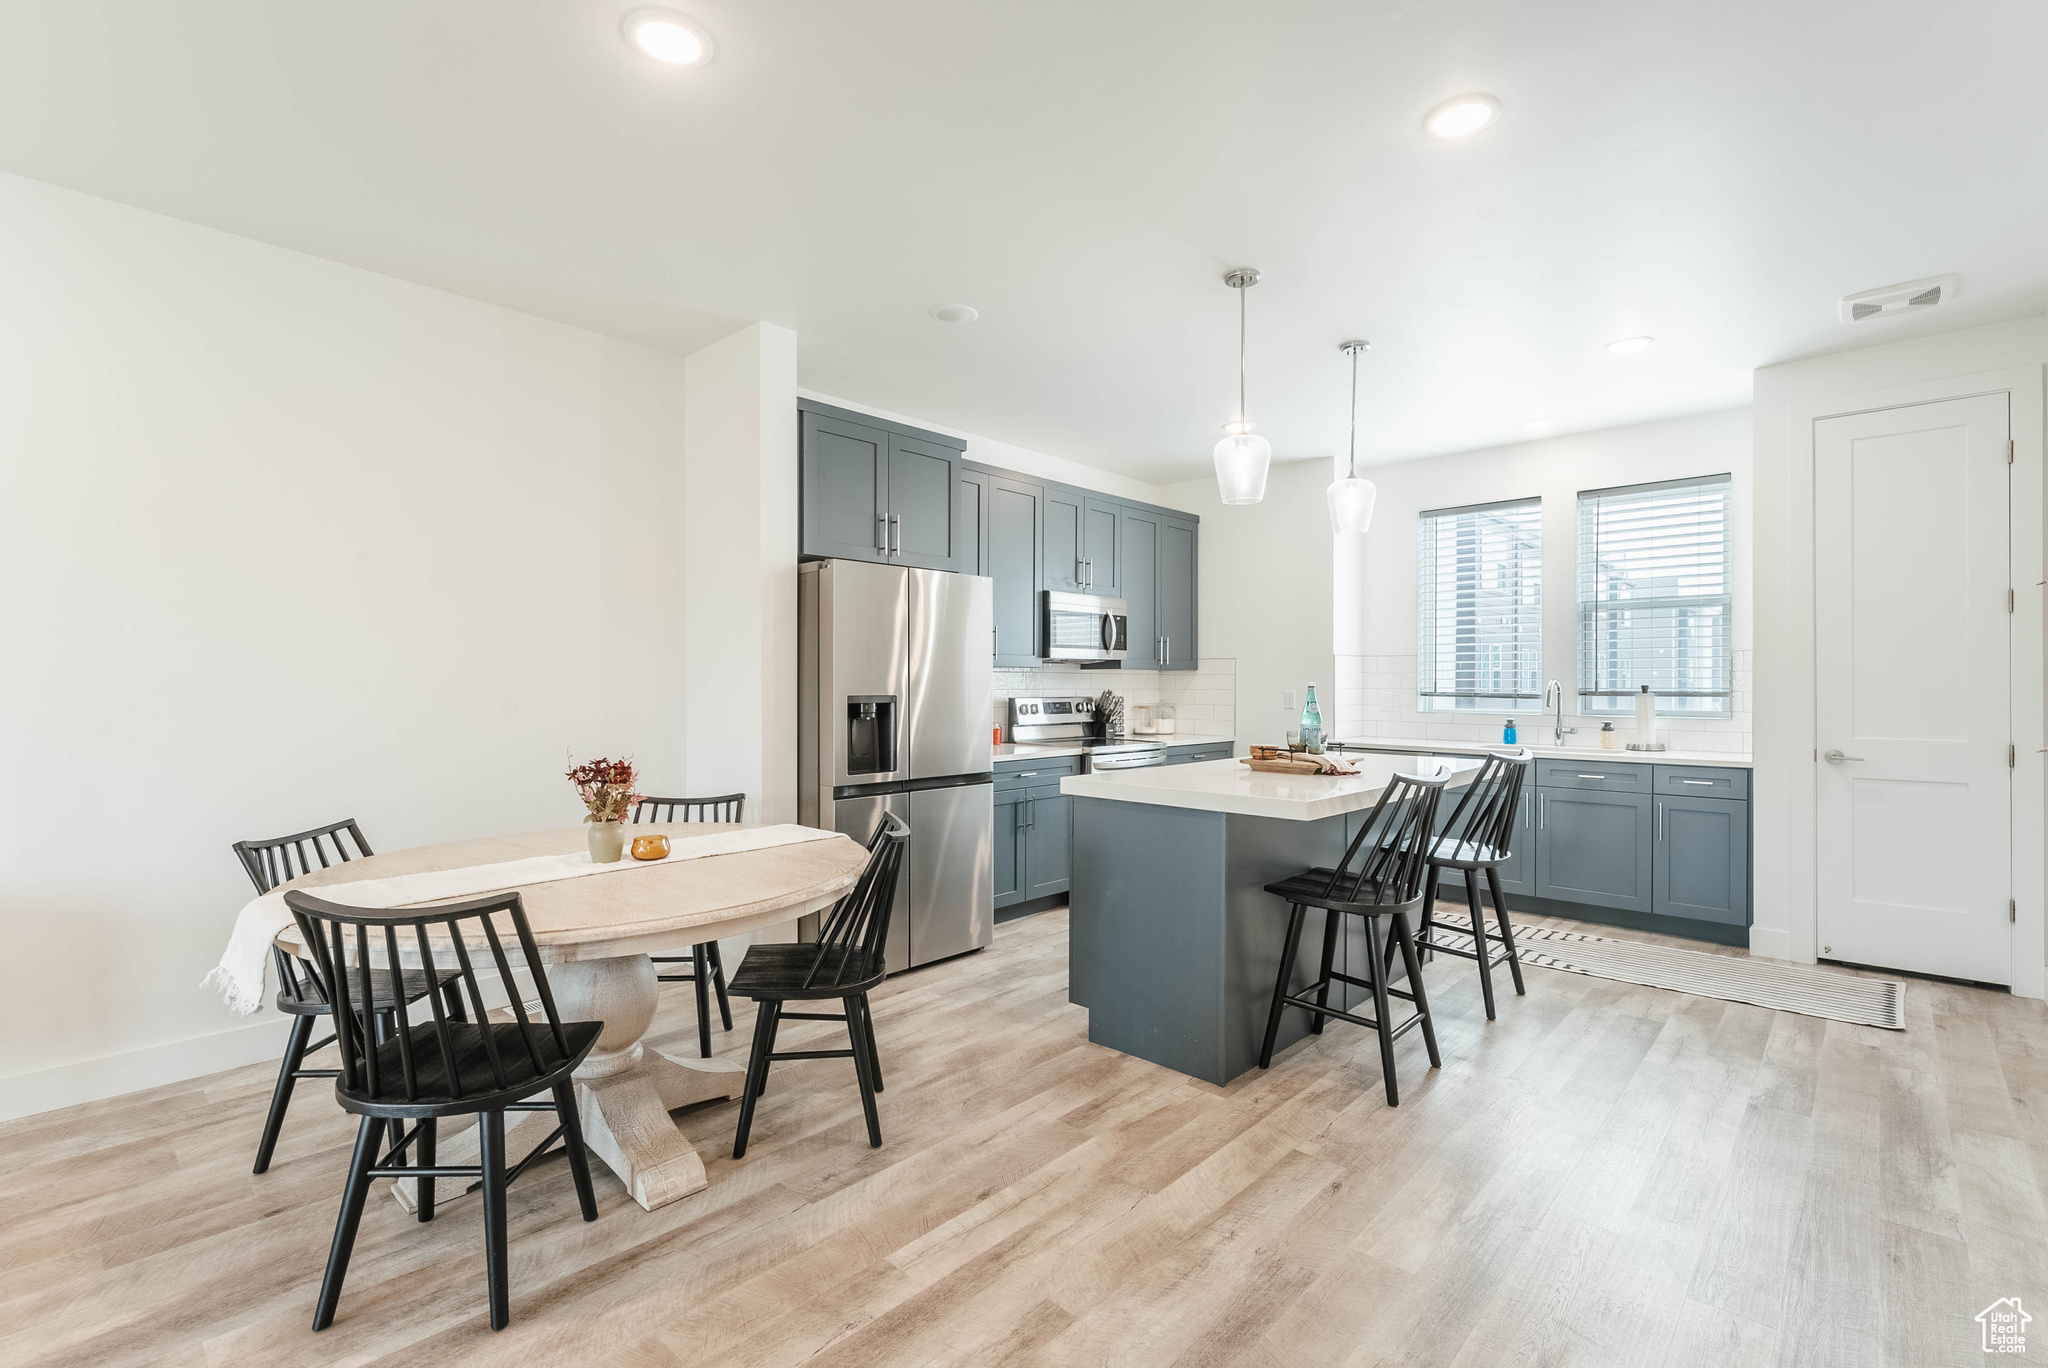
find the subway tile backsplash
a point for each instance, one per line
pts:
(1376, 698)
(1204, 699)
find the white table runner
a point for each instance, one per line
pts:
(239, 975)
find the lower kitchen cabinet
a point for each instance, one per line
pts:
(1702, 860)
(1010, 856)
(1518, 871)
(1198, 751)
(1049, 841)
(1594, 847)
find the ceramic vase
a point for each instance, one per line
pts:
(607, 841)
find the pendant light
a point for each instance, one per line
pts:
(1242, 457)
(1351, 498)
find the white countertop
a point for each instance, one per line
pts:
(1048, 750)
(1230, 786)
(1726, 759)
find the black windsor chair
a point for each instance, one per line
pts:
(1379, 879)
(844, 963)
(446, 1066)
(724, 808)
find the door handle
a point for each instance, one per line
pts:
(882, 533)
(1660, 821)
(1835, 757)
(896, 534)
(1698, 783)
(1592, 776)
(1168, 660)
(1031, 812)
(1542, 809)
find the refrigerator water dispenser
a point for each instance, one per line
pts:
(871, 734)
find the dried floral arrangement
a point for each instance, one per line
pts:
(606, 787)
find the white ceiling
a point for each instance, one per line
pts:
(1083, 172)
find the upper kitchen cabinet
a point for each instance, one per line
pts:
(1138, 573)
(1178, 562)
(1015, 509)
(878, 491)
(973, 523)
(1101, 531)
(1064, 539)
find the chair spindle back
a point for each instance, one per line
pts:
(850, 944)
(283, 858)
(1485, 814)
(343, 940)
(724, 808)
(1395, 839)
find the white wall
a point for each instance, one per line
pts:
(1378, 589)
(284, 541)
(1788, 399)
(1264, 594)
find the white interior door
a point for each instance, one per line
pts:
(1913, 638)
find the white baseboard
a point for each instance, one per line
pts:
(1771, 943)
(91, 1080)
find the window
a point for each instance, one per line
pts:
(1654, 593)
(1482, 608)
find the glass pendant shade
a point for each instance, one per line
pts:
(1241, 462)
(1351, 501)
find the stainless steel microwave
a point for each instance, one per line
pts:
(1084, 627)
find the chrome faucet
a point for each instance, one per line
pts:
(1553, 697)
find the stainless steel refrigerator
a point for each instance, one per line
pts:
(894, 685)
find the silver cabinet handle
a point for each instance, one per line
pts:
(1660, 821)
(1542, 809)
(1592, 776)
(896, 534)
(1031, 813)
(1027, 774)
(1699, 783)
(1169, 651)
(1835, 757)
(882, 533)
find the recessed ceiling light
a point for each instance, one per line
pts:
(1539, 426)
(1629, 346)
(954, 313)
(1462, 116)
(668, 37)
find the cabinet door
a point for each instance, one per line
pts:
(924, 501)
(1177, 609)
(1594, 847)
(971, 520)
(845, 489)
(1064, 538)
(1518, 871)
(1049, 844)
(1100, 534)
(1014, 510)
(1702, 859)
(1009, 848)
(1137, 549)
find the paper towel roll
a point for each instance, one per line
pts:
(1646, 718)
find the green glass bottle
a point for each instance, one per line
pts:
(1312, 724)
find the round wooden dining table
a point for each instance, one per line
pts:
(595, 933)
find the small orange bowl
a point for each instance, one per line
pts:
(650, 847)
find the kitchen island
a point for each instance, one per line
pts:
(1174, 942)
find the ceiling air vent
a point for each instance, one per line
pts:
(1910, 297)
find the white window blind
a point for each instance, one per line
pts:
(1654, 594)
(1481, 610)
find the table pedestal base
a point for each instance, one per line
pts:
(625, 1090)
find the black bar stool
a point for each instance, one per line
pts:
(845, 963)
(1478, 837)
(275, 861)
(724, 808)
(1380, 876)
(444, 1067)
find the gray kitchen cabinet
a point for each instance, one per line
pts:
(1065, 537)
(1595, 847)
(1138, 574)
(1049, 840)
(1518, 871)
(845, 481)
(1196, 752)
(924, 501)
(1101, 536)
(1702, 859)
(1010, 859)
(1176, 593)
(1015, 557)
(972, 520)
(874, 490)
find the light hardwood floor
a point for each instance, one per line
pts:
(1606, 1175)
